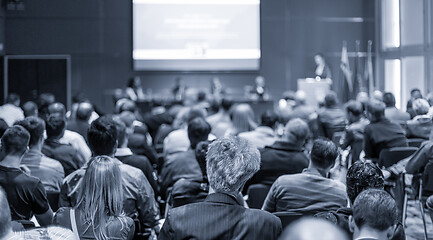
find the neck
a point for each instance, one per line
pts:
(323, 172)
(11, 161)
(37, 147)
(368, 232)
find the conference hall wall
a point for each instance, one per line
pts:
(98, 36)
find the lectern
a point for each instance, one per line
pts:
(315, 89)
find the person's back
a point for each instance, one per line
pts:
(263, 135)
(230, 162)
(331, 119)
(311, 191)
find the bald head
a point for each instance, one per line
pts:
(5, 215)
(312, 229)
(57, 108)
(84, 111)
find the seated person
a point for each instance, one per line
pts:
(414, 95)
(98, 213)
(421, 125)
(285, 156)
(184, 164)
(263, 135)
(30, 109)
(70, 159)
(70, 137)
(311, 191)
(381, 133)
(354, 132)
(138, 196)
(393, 113)
(375, 215)
(11, 112)
(80, 124)
(230, 162)
(48, 170)
(331, 118)
(125, 155)
(193, 190)
(312, 229)
(420, 158)
(25, 193)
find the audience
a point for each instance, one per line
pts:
(11, 111)
(26, 194)
(421, 124)
(98, 213)
(331, 118)
(263, 135)
(381, 133)
(230, 163)
(313, 229)
(285, 156)
(311, 191)
(354, 132)
(48, 170)
(80, 124)
(53, 148)
(375, 215)
(30, 109)
(184, 164)
(138, 196)
(393, 113)
(69, 137)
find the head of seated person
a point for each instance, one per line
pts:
(360, 176)
(30, 109)
(230, 162)
(44, 101)
(36, 127)
(268, 119)
(376, 110)
(311, 229)
(389, 99)
(14, 144)
(420, 106)
(374, 215)
(198, 130)
(55, 126)
(57, 108)
(84, 111)
(323, 156)
(331, 100)
(353, 111)
(242, 118)
(13, 99)
(296, 132)
(102, 136)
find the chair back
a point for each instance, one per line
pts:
(257, 194)
(53, 199)
(287, 217)
(415, 142)
(391, 156)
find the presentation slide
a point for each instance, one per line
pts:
(196, 35)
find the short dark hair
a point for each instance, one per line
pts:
(414, 90)
(121, 131)
(331, 99)
(376, 209)
(198, 130)
(323, 153)
(389, 99)
(15, 140)
(55, 125)
(35, 126)
(226, 104)
(30, 108)
(201, 96)
(376, 108)
(269, 118)
(354, 107)
(102, 136)
(363, 175)
(200, 156)
(12, 98)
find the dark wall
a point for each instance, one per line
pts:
(98, 36)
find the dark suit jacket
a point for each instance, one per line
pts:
(220, 216)
(331, 120)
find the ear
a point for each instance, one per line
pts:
(352, 224)
(391, 231)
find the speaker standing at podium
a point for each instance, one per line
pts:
(322, 67)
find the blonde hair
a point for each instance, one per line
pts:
(242, 118)
(100, 197)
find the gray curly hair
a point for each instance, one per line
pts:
(231, 161)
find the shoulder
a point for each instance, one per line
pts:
(52, 163)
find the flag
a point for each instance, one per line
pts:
(368, 70)
(345, 68)
(358, 83)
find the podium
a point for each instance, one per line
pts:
(315, 89)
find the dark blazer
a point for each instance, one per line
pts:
(220, 216)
